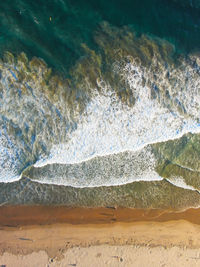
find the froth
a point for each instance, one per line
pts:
(108, 126)
(116, 169)
(180, 182)
(8, 160)
(45, 130)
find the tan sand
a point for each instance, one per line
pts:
(154, 241)
(164, 241)
(111, 256)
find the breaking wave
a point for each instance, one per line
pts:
(54, 134)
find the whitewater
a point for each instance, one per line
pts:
(107, 129)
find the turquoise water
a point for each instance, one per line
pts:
(99, 103)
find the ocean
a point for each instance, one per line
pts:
(100, 103)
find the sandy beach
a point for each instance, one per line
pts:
(99, 133)
(62, 236)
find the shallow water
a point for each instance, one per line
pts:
(115, 113)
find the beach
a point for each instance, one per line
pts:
(99, 133)
(62, 236)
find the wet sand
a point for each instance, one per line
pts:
(43, 215)
(61, 236)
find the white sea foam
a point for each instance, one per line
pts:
(109, 126)
(8, 161)
(112, 170)
(180, 182)
(80, 183)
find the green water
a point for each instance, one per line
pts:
(25, 25)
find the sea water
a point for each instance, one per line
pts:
(100, 99)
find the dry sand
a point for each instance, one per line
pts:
(125, 241)
(112, 256)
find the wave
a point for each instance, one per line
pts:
(180, 182)
(62, 126)
(112, 170)
(109, 127)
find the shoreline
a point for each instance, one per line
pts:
(25, 215)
